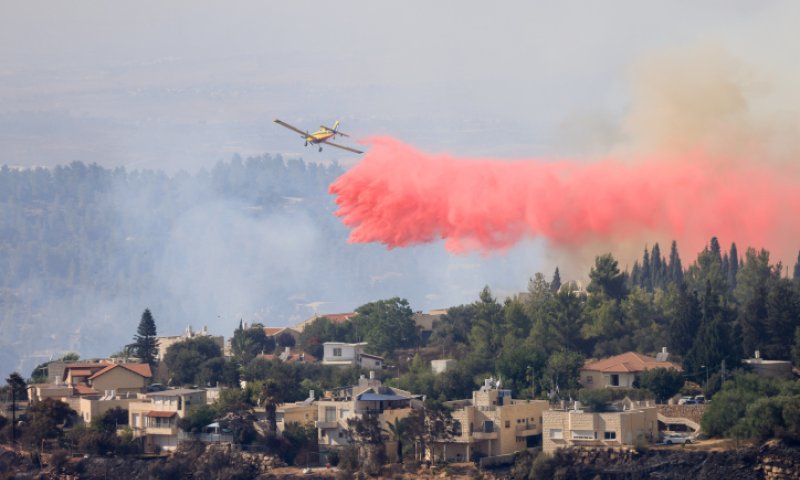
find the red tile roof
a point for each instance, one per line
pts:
(272, 331)
(628, 362)
(157, 414)
(84, 390)
(81, 372)
(141, 369)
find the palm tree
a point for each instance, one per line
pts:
(397, 430)
(268, 397)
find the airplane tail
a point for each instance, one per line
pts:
(336, 125)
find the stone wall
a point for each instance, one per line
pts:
(692, 412)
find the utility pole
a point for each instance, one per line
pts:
(13, 416)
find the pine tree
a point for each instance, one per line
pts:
(685, 321)
(675, 267)
(796, 273)
(145, 345)
(555, 284)
(636, 274)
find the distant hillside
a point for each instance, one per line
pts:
(84, 249)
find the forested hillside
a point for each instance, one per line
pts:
(83, 249)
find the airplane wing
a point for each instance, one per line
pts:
(290, 127)
(331, 130)
(343, 147)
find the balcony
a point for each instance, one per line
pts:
(484, 435)
(527, 430)
(326, 424)
(161, 430)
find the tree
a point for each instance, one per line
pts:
(285, 339)
(606, 278)
(755, 279)
(386, 325)
(46, 420)
(269, 397)
(675, 268)
(145, 344)
(17, 386)
(684, 320)
(555, 283)
(783, 315)
(249, 342)
(113, 419)
(563, 369)
(487, 330)
(663, 382)
(428, 425)
(186, 360)
(397, 431)
(366, 432)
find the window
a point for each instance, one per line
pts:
(488, 426)
(556, 434)
(584, 435)
(343, 413)
(508, 424)
(330, 414)
(614, 380)
(457, 428)
(610, 435)
(589, 379)
(337, 352)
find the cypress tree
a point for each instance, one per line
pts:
(647, 272)
(655, 263)
(675, 267)
(716, 250)
(555, 285)
(796, 273)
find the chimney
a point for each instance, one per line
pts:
(757, 355)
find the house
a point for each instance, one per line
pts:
(623, 370)
(91, 408)
(333, 317)
(167, 341)
(492, 423)
(93, 379)
(349, 355)
(369, 396)
(155, 416)
(303, 413)
(625, 424)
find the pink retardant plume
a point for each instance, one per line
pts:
(399, 196)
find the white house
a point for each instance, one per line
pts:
(349, 355)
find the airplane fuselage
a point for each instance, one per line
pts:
(320, 136)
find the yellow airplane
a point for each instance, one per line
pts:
(320, 136)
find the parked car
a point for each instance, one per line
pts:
(671, 439)
(687, 401)
(700, 399)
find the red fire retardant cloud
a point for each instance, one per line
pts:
(399, 196)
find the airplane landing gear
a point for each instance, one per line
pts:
(320, 149)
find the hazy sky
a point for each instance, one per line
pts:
(184, 84)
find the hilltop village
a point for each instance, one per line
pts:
(634, 362)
